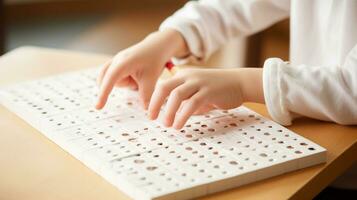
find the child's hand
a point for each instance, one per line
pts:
(139, 66)
(192, 90)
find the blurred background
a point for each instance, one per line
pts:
(107, 26)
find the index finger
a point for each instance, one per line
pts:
(113, 74)
(102, 72)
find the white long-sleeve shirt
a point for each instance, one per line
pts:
(320, 81)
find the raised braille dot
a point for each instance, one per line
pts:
(151, 168)
(233, 162)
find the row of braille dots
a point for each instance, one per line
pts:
(90, 75)
(220, 121)
(193, 165)
(61, 123)
(282, 142)
(204, 152)
(241, 117)
(58, 105)
(248, 146)
(115, 153)
(144, 177)
(141, 160)
(216, 152)
(133, 139)
(202, 129)
(49, 88)
(79, 79)
(44, 97)
(19, 98)
(265, 133)
(189, 133)
(208, 173)
(290, 147)
(93, 129)
(62, 81)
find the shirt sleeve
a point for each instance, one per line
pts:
(207, 24)
(322, 92)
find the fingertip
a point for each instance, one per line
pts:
(102, 100)
(167, 122)
(177, 126)
(182, 118)
(99, 105)
(152, 116)
(164, 123)
(152, 109)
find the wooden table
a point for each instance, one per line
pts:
(34, 168)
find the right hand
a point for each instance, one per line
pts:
(139, 66)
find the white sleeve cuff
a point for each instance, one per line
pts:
(274, 91)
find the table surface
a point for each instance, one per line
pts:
(34, 168)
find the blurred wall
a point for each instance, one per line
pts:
(108, 26)
(105, 26)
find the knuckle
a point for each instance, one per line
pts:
(189, 74)
(122, 60)
(194, 102)
(183, 73)
(162, 87)
(117, 64)
(177, 94)
(191, 71)
(111, 69)
(126, 53)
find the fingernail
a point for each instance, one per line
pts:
(165, 125)
(168, 122)
(177, 127)
(174, 125)
(97, 106)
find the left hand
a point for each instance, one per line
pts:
(195, 90)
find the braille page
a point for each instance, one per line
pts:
(220, 150)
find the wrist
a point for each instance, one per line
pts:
(178, 43)
(251, 84)
(172, 43)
